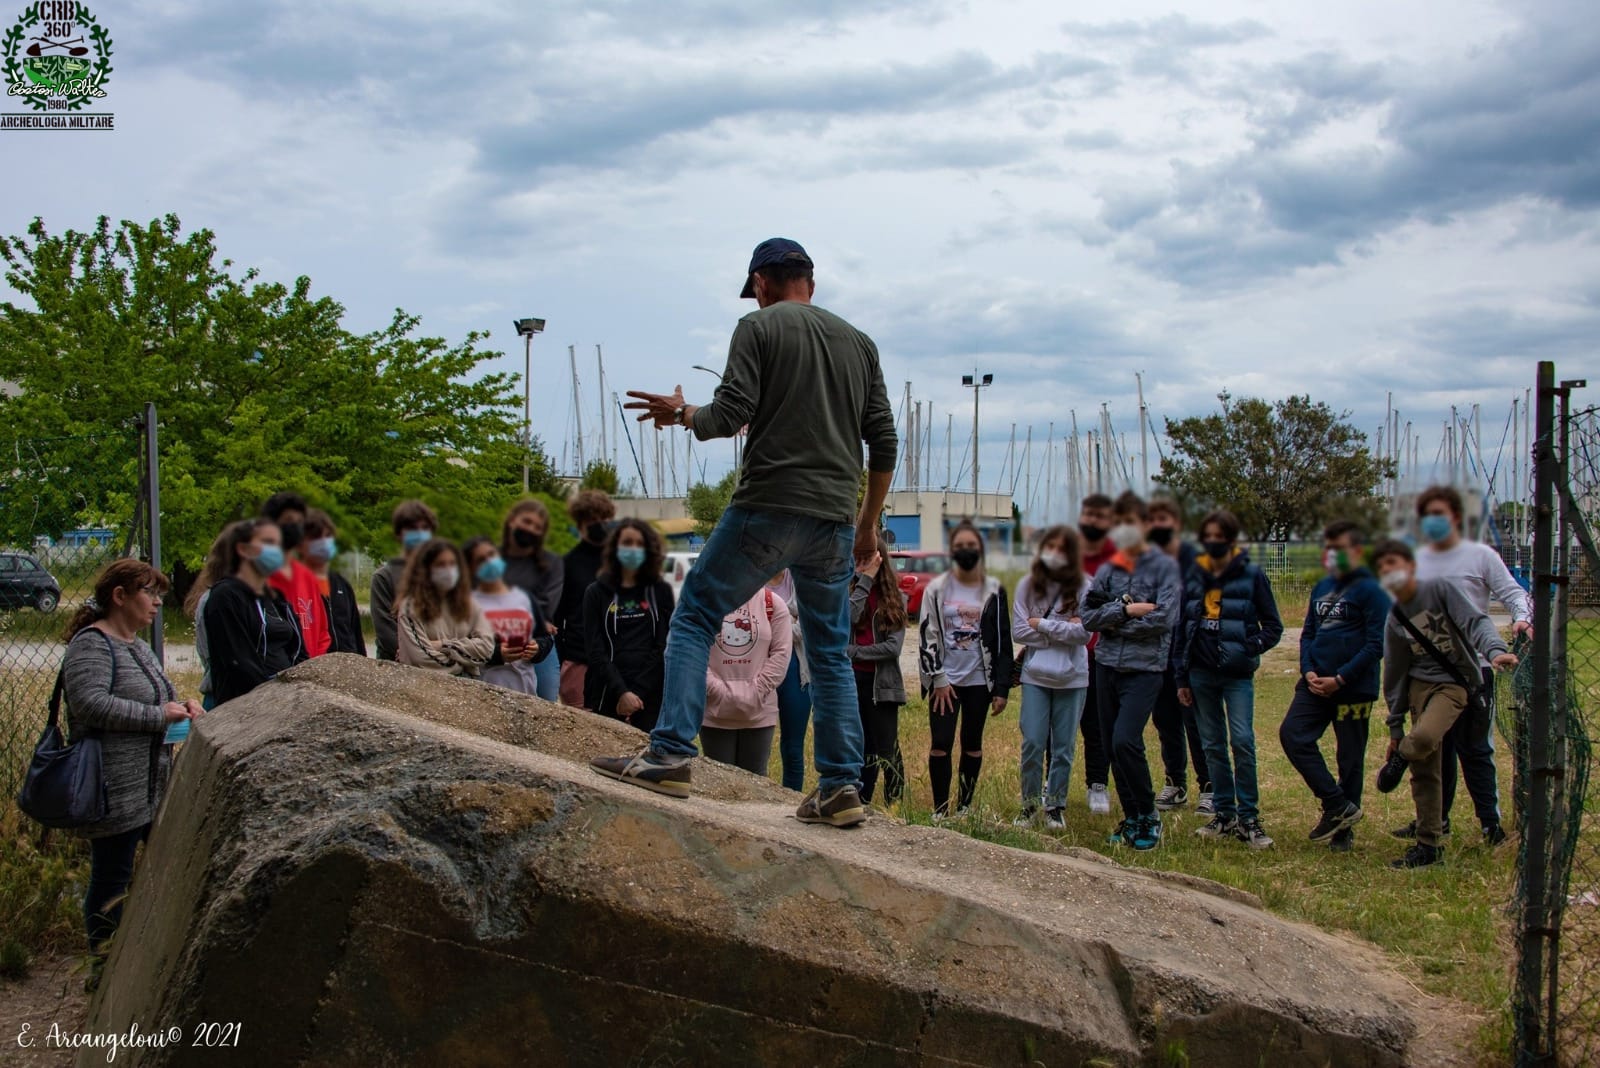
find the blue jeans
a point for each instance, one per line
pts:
(745, 550)
(1049, 717)
(794, 715)
(1225, 711)
(547, 675)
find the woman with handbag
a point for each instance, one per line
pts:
(115, 687)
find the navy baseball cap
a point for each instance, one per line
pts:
(770, 253)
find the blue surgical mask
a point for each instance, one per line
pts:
(631, 557)
(415, 539)
(1436, 528)
(491, 570)
(269, 560)
(322, 549)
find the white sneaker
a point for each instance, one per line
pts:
(1054, 818)
(1027, 819)
(1099, 799)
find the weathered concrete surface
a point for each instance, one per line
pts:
(367, 864)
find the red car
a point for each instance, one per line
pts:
(916, 570)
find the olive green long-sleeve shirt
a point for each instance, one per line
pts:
(809, 387)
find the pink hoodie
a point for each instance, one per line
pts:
(748, 661)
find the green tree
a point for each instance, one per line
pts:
(258, 387)
(601, 475)
(1285, 468)
(707, 503)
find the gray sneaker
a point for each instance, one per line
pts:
(1207, 805)
(1250, 833)
(664, 774)
(1219, 827)
(841, 808)
(1099, 799)
(1171, 797)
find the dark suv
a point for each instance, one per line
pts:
(24, 583)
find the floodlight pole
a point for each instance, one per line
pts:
(527, 328)
(977, 382)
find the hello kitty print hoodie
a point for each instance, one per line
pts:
(749, 660)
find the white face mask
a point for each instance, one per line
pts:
(445, 579)
(1125, 536)
(1053, 561)
(1395, 581)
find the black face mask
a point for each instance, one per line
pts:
(293, 534)
(1218, 550)
(1160, 536)
(1091, 532)
(966, 559)
(526, 539)
(595, 533)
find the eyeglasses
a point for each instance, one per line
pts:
(153, 591)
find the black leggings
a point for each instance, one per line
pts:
(110, 872)
(880, 733)
(972, 706)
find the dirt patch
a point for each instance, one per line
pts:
(51, 993)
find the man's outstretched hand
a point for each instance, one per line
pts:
(662, 408)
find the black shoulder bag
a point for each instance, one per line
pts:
(66, 785)
(1474, 690)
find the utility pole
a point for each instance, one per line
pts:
(977, 383)
(1049, 469)
(600, 365)
(527, 328)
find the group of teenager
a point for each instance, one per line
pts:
(1120, 622)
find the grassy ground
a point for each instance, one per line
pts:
(1446, 927)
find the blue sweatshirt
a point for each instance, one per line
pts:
(1343, 634)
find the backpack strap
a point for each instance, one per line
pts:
(768, 591)
(1433, 651)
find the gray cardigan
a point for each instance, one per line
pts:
(118, 688)
(888, 681)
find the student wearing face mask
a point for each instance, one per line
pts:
(521, 639)
(965, 661)
(1132, 604)
(539, 573)
(1174, 717)
(591, 511)
(440, 627)
(1095, 519)
(1047, 623)
(338, 599)
(1341, 654)
(294, 580)
(1431, 649)
(626, 612)
(251, 633)
(414, 524)
(1231, 618)
(1477, 571)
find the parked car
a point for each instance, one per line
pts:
(676, 569)
(916, 570)
(24, 583)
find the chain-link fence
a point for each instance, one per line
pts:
(68, 506)
(1552, 721)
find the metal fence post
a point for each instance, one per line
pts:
(153, 510)
(1535, 1008)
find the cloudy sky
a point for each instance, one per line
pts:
(1263, 197)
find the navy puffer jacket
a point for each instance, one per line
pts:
(1230, 619)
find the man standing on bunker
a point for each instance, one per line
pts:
(808, 386)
